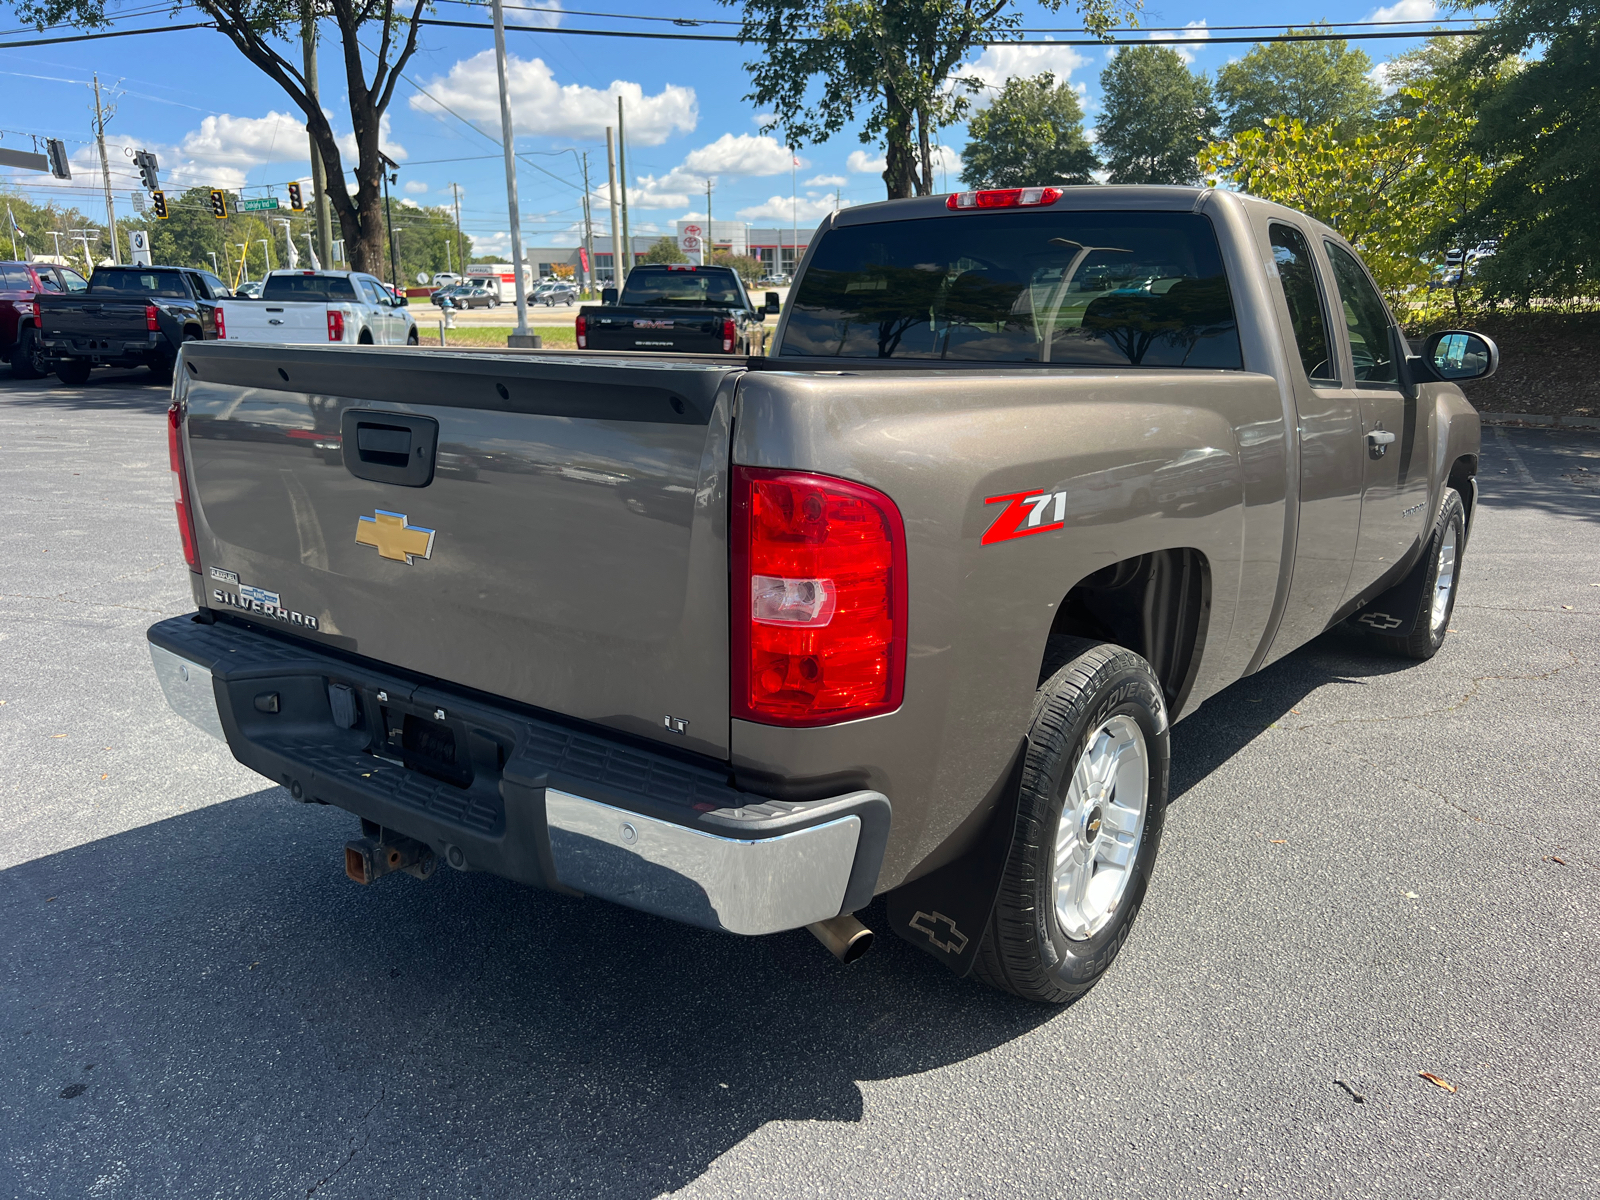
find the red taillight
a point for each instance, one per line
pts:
(152, 318)
(180, 488)
(583, 334)
(1004, 198)
(335, 325)
(222, 327)
(819, 599)
(730, 334)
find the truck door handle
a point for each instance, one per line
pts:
(1378, 441)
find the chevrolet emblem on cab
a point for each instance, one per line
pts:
(394, 536)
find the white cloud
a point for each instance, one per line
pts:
(416, 187)
(494, 243)
(1405, 10)
(742, 155)
(534, 19)
(860, 163)
(827, 181)
(729, 156)
(783, 210)
(542, 107)
(1196, 31)
(1000, 63)
(223, 138)
(762, 120)
(408, 202)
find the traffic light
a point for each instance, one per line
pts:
(296, 202)
(148, 168)
(57, 153)
(158, 203)
(219, 204)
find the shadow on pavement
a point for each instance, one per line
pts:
(207, 1004)
(127, 391)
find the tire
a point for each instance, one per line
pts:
(161, 372)
(73, 372)
(365, 338)
(1098, 718)
(1436, 603)
(27, 356)
(411, 338)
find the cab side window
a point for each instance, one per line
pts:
(1307, 313)
(47, 282)
(1371, 346)
(219, 290)
(74, 281)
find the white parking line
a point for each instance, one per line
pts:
(1511, 452)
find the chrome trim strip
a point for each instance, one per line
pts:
(187, 686)
(762, 885)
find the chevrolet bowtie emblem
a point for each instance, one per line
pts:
(394, 538)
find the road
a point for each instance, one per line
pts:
(1370, 871)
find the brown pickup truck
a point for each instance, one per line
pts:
(908, 607)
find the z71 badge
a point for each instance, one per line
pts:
(1024, 513)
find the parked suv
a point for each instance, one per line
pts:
(20, 286)
(556, 291)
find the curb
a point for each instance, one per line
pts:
(1539, 419)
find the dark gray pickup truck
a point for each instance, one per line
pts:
(907, 608)
(675, 310)
(131, 316)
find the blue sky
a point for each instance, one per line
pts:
(214, 119)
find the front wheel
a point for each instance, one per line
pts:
(1436, 601)
(1089, 819)
(411, 338)
(74, 372)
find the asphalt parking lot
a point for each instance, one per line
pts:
(1371, 870)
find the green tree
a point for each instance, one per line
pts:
(38, 220)
(1315, 83)
(1543, 121)
(665, 251)
(268, 33)
(1031, 133)
(425, 243)
(1157, 114)
(749, 268)
(884, 65)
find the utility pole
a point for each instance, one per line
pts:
(507, 137)
(388, 216)
(461, 238)
(588, 224)
(794, 210)
(616, 222)
(709, 245)
(100, 116)
(622, 170)
(319, 175)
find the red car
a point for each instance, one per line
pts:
(20, 286)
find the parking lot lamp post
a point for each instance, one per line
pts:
(266, 252)
(616, 223)
(388, 215)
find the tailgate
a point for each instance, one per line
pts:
(274, 321)
(681, 331)
(569, 552)
(81, 321)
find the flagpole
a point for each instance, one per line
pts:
(13, 219)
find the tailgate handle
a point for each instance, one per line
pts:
(389, 447)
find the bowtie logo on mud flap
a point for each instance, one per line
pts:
(933, 926)
(394, 536)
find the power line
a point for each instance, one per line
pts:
(1188, 41)
(95, 37)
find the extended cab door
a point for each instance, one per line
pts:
(1394, 451)
(1329, 428)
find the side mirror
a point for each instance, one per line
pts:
(608, 295)
(1458, 355)
(772, 303)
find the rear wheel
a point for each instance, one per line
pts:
(74, 372)
(27, 356)
(1089, 819)
(365, 339)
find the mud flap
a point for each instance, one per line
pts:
(945, 912)
(1394, 613)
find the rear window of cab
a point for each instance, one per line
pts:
(1104, 289)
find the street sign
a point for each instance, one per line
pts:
(138, 201)
(258, 203)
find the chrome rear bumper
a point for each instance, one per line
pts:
(574, 811)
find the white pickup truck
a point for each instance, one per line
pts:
(301, 307)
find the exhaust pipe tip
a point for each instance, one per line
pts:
(846, 938)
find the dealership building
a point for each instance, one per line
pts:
(778, 250)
